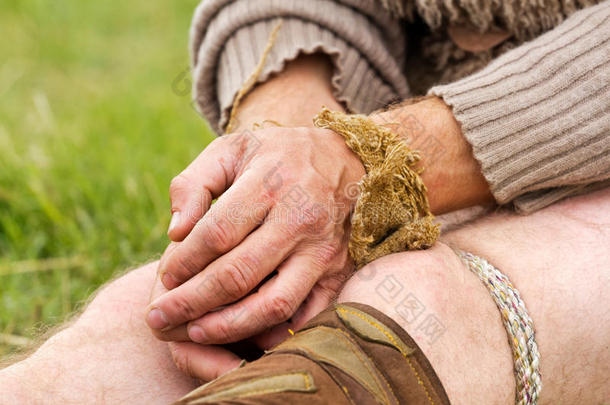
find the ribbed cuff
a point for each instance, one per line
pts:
(537, 117)
(367, 73)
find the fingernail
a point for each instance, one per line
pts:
(174, 222)
(156, 319)
(196, 334)
(169, 281)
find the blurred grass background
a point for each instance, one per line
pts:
(94, 122)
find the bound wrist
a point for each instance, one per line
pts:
(450, 172)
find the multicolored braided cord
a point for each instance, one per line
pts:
(518, 324)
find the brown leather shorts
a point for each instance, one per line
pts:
(348, 354)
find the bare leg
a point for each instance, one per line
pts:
(559, 261)
(107, 356)
(556, 258)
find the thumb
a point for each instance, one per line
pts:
(203, 362)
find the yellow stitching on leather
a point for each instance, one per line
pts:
(385, 332)
(336, 347)
(367, 366)
(370, 332)
(226, 394)
(325, 359)
(348, 396)
(307, 382)
(376, 325)
(257, 386)
(420, 382)
(384, 380)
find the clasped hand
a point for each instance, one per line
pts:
(273, 245)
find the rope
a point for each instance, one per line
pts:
(253, 79)
(518, 324)
(392, 213)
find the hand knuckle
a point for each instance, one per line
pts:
(183, 361)
(314, 219)
(220, 236)
(292, 232)
(178, 356)
(187, 263)
(224, 332)
(234, 281)
(327, 252)
(184, 307)
(279, 308)
(178, 184)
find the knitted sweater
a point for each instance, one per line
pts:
(534, 103)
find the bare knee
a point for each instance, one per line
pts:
(449, 314)
(412, 277)
(123, 299)
(107, 352)
(557, 259)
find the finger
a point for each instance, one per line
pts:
(274, 303)
(190, 200)
(157, 289)
(317, 301)
(206, 178)
(154, 318)
(227, 279)
(203, 362)
(165, 279)
(236, 213)
(177, 334)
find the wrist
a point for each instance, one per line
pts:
(451, 174)
(292, 97)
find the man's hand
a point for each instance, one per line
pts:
(274, 246)
(204, 362)
(286, 198)
(284, 202)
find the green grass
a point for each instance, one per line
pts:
(91, 133)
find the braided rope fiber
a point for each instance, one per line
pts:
(518, 324)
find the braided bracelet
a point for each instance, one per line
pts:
(518, 324)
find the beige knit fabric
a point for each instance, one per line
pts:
(538, 117)
(536, 113)
(525, 19)
(228, 38)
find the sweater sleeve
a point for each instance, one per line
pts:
(538, 117)
(228, 37)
